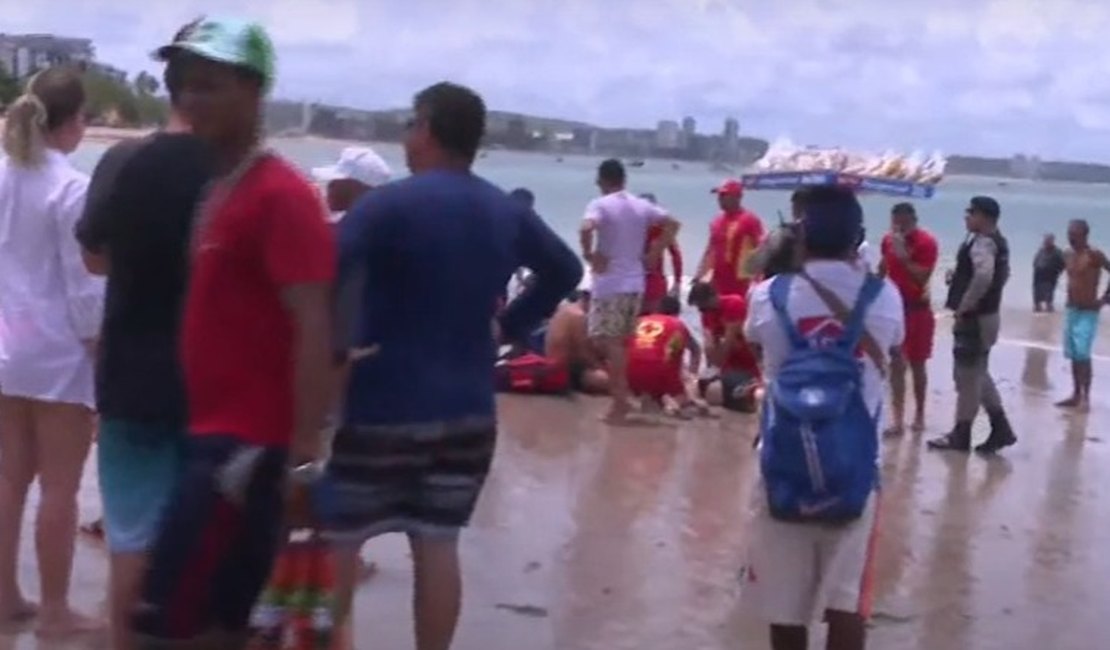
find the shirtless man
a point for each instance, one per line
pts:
(1084, 268)
(567, 342)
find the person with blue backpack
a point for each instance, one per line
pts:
(825, 334)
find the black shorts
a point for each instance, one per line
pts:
(419, 479)
(733, 394)
(216, 546)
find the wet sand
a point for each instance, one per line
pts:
(590, 538)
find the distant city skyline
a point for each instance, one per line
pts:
(990, 77)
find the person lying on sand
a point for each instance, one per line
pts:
(722, 324)
(567, 342)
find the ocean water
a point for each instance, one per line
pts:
(1029, 209)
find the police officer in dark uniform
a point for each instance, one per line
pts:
(974, 296)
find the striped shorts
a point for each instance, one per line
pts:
(420, 479)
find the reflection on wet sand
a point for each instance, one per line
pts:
(588, 537)
(1034, 374)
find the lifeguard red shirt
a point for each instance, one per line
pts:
(659, 342)
(271, 232)
(732, 238)
(731, 310)
(923, 251)
(655, 356)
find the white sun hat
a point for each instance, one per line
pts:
(361, 164)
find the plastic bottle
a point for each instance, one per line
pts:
(323, 611)
(268, 617)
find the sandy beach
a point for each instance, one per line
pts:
(591, 538)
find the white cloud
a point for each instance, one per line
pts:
(972, 75)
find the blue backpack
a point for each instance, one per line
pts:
(820, 440)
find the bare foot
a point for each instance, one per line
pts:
(93, 530)
(66, 624)
(1068, 403)
(894, 431)
(618, 413)
(680, 411)
(17, 614)
(619, 416)
(918, 424)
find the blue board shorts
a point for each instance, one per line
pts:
(138, 466)
(1080, 326)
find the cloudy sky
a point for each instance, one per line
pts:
(976, 76)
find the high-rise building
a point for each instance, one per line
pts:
(22, 55)
(667, 135)
(730, 142)
(689, 127)
(732, 129)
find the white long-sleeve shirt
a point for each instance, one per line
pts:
(50, 305)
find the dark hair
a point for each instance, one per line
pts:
(905, 208)
(456, 117)
(525, 196)
(799, 196)
(779, 255)
(1081, 223)
(171, 75)
(52, 98)
(987, 207)
(670, 306)
(832, 223)
(700, 293)
(611, 171)
(171, 79)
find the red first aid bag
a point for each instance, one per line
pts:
(532, 373)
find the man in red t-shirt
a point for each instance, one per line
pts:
(722, 321)
(255, 351)
(655, 355)
(909, 257)
(733, 237)
(655, 282)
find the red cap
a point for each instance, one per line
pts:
(730, 187)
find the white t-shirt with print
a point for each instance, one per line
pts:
(622, 221)
(884, 320)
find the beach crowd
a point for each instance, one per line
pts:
(251, 356)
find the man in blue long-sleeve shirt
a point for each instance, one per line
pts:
(419, 425)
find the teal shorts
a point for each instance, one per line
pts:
(139, 464)
(1080, 326)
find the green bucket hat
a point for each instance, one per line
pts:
(239, 43)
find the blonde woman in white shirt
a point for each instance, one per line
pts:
(50, 313)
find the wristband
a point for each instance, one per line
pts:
(307, 473)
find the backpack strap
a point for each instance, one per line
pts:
(779, 292)
(854, 326)
(855, 331)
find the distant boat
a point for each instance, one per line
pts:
(559, 159)
(636, 162)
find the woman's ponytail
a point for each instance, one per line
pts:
(24, 130)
